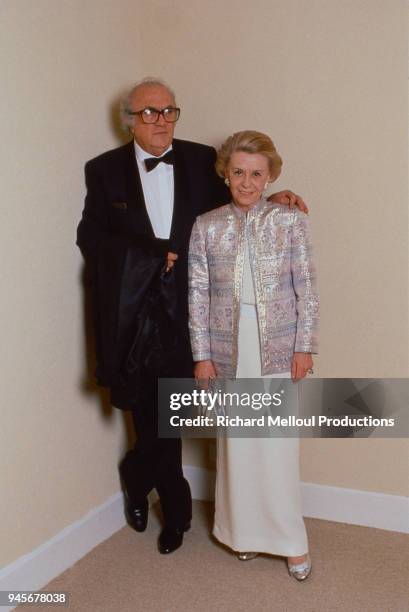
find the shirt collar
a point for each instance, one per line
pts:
(141, 154)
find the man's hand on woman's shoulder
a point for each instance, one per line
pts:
(289, 198)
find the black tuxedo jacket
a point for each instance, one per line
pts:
(116, 238)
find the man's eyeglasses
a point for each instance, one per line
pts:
(151, 115)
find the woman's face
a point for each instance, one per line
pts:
(248, 174)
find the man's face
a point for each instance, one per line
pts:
(154, 138)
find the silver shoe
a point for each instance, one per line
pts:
(246, 556)
(301, 571)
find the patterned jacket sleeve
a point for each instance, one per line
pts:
(304, 282)
(199, 295)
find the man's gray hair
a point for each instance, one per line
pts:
(125, 107)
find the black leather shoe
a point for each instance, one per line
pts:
(137, 515)
(171, 539)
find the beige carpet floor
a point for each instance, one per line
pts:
(354, 569)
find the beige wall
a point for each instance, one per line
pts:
(62, 63)
(327, 79)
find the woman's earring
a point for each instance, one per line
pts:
(266, 186)
(227, 182)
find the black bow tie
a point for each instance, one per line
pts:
(152, 162)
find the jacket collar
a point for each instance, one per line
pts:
(262, 202)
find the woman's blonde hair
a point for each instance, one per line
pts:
(249, 141)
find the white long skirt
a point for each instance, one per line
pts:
(258, 506)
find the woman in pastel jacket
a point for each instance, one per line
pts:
(253, 308)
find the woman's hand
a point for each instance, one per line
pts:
(289, 198)
(203, 371)
(171, 258)
(301, 365)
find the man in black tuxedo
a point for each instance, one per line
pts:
(142, 200)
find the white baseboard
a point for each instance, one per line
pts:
(202, 482)
(365, 508)
(34, 570)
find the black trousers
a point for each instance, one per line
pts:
(156, 463)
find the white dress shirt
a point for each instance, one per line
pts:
(158, 191)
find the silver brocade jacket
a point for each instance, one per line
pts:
(284, 280)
